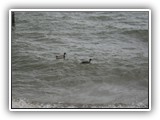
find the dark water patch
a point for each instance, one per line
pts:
(141, 34)
(129, 48)
(21, 21)
(31, 35)
(100, 18)
(28, 63)
(102, 33)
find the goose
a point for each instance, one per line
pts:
(86, 62)
(61, 56)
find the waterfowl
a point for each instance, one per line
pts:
(86, 62)
(61, 56)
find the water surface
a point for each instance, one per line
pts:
(117, 43)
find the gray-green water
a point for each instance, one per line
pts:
(117, 43)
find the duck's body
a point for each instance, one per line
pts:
(86, 62)
(61, 56)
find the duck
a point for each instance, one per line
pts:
(86, 62)
(61, 56)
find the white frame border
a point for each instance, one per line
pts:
(79, 109)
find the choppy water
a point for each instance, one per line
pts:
(117, 43)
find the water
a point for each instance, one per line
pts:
(117, 43)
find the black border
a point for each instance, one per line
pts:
(90, 10)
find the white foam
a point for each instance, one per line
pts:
(22, 103)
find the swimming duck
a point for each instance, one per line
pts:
(61, 56)
(86, 62)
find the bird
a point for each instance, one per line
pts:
(61, 56)
(86, 62)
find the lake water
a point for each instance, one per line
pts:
(117, 42)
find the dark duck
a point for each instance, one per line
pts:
(86, 62)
